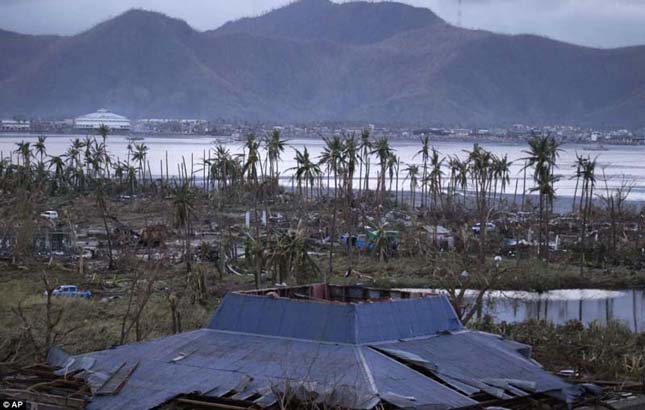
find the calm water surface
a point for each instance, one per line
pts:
(561, 306)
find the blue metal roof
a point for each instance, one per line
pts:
(474, 361)
(410, 352)
(300, 319)
(335, 322)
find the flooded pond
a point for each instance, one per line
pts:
(560, 306)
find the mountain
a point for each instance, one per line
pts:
(346, 23)
(18, 50)
(318, 60)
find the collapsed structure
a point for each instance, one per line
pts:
(345, 347)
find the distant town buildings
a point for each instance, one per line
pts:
(235, 130)
(14, 125)
(172, 126)
(94, 121)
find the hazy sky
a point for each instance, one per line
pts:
(600, 23)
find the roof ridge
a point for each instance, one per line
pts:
(367, 373)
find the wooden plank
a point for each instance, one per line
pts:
(117, 380)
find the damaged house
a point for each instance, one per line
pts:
(339, 346)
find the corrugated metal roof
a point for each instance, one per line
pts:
(300, 319)
(473, 361)
(216, 362)
(405, 318)
(410, 352)
(392, 377)
(335, 322)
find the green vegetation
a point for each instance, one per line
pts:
(594, 352)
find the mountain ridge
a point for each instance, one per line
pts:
(325, 20)
(377, 62)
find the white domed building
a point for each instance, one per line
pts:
(94, 121)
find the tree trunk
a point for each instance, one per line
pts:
(546, 231)
(360, 179)
(524, 187)
(108, 235)
(575, 193)
(540, 226)
(332, 235)
(187, 246)
(258, 245)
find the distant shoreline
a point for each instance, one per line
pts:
(586, 146)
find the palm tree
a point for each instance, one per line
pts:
(505, 172)
(131, 178)
(96, 159)
(183, 199)
(413, 172)
(73, 156)
(396, 165)
(425, 155)
(252, 163)
(102, 159)
(58, 163)
(275, 146)
(24, 150)
(305, 171)
(462, 178)
(579, 166)
(383, 151)
(223, 167)
(502, 174)
(365, 149)
(542, 156)
(393, 170)
(349, 160)
(435, 177)
(454, 166)
(480, 168)
(139, 155)
(87, 144)
(588, 169)
(40, 148)
(74, 152)
(332, 156)
(252, 160)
